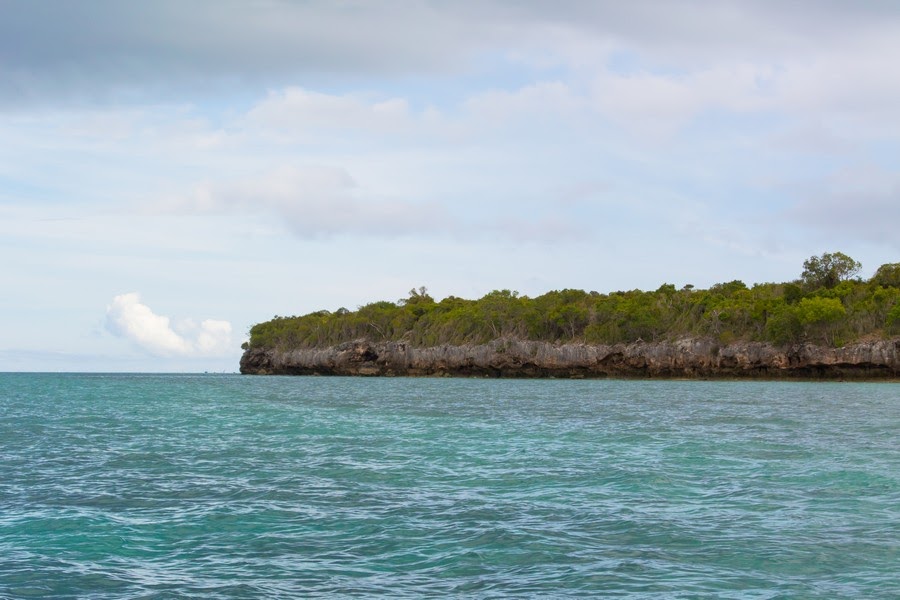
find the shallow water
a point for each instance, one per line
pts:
(174, 486)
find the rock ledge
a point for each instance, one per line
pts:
(687, 358)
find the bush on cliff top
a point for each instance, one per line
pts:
(827, 305)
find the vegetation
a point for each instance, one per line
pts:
(829, 270)
(827, 305)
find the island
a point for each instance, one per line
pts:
(828, 324)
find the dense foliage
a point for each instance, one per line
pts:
(827, 305)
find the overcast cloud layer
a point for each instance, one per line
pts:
(234, 160)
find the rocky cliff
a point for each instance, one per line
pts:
(689, 358)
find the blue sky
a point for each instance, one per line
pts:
(171, 173)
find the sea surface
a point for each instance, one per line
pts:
(223, 486)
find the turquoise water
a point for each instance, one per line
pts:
(174, 486)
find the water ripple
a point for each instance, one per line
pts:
(228, 487)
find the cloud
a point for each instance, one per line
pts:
(810, 137)
(314, 201)
(860, 203)
(650, 66)
(546, 97)
(661, 103)
(128, 318)
(71, 51)
(101, 49)
(318, 202)
(295, 111)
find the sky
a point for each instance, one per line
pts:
(173, 172)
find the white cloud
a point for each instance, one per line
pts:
(318, 202)
(658, 104)
(546, 97)
(815, 137)
(661, 103)
(128, 318)
(295, 112)
(313, 201)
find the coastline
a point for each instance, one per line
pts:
(690, 358)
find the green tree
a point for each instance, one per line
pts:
(893, 319)
(377, 318)
(818, 314)
(821, 310)
(828, 270)
(887, 275)
(783, 326)
(792, 293)
(418, 303)
(501, 312)
(730, 288)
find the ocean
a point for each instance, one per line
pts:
(223, 486)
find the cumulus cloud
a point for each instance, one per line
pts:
(128, 318)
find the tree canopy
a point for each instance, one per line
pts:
(887, 275)
(829, 269)
(827, 304)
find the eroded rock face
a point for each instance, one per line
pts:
(689, 358)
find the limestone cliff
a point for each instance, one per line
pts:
(688, 358)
